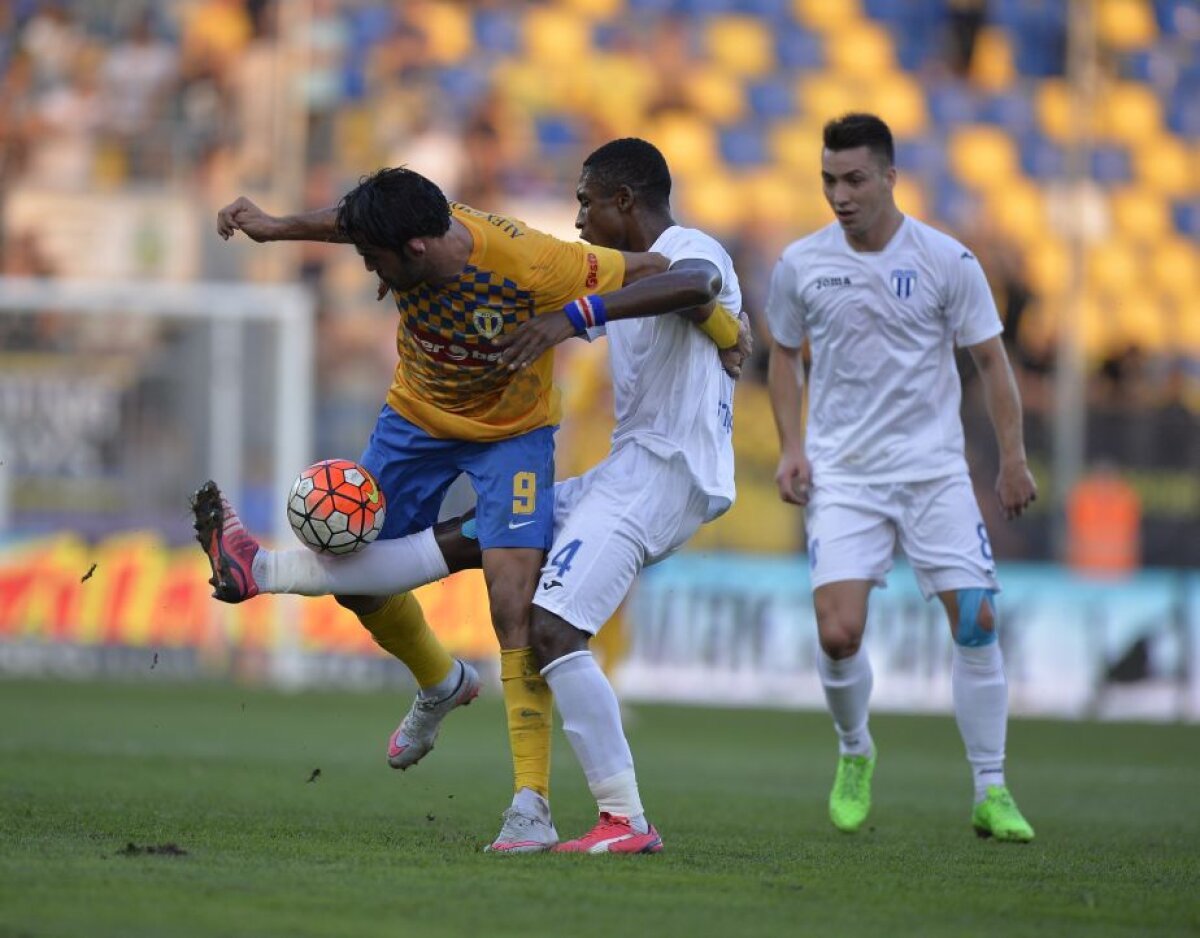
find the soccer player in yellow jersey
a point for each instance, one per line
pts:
(461, 278)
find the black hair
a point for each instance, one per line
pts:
(861, 130)
(390, 207)
(635, 163)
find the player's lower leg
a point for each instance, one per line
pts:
(400, 628)
(980, 692)
(847, 683)
(527, 827)
(591, 719)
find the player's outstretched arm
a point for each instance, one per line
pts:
(243, 215)
(785, 384)
(679, 288)
(1015, 485)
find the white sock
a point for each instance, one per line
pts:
(847, 683)
(446, 686)
(532, 804)
(981, 708)
(591, 719)
(380, 569)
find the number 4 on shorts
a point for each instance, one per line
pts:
(561, 562)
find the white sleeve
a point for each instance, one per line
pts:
(785, 306)
(970, 307)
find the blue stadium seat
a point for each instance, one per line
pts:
(1111, 165)
(497, 31)
(557, 136)
(923, 156)
(952, 203)
(1041, 159)
(1014, 111)
(776, 11)
(797, 48)
(771, 99)
(953, 103)
(463, 85)
(653, 7)
(1183, 111)
(1169, 12)
(700, 8)
(1186, 216)
(744, 146)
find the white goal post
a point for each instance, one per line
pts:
(226, 308)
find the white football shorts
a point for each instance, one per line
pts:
(631, 510)
(853, 530)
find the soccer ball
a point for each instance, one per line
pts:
(336, 507)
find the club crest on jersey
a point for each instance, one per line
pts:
(903, 282)
(488, 322)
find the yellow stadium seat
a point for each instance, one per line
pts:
(992, 66)
(1175, 264)
(687, 141)
(447, 30)
(828, 16)
(900, 100)
(1186, 325)
(716, 93)
(863, 51)
(796, 145)
(620, 87)
(556, 36)
(774, 196)
(1114, 269)
(824, 96)
(711, 200)
(1057, 112)
(532, 87)
(596, 10)
(1018, 209)
(983, 157)
(743, 45)
(1140, 320)
(1095, 326)
(1140, 216)
(1126, 24)
(1048, 265)
(1163, 164)
(910, 196)
(1130, 112)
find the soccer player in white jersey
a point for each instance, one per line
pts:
(669, 471)
(883, 300)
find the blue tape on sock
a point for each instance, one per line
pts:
(969, 632)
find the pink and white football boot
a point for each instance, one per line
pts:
(613, 834)
(230, 548)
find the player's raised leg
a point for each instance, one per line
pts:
(981, 709)
(846, 678)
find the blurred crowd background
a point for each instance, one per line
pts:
(1061, 142)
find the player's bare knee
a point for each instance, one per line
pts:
(840, 641)
(361, 605)
(553, 636)
(509, 605)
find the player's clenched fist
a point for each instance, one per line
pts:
(794, 479)
(243, 215)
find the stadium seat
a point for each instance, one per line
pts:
(992, 66)
(983, 157)
(557, 136)
(1129, 112)
(742, 45)
(1057, 113)
(771, 98)
(711, 200)
(687, 140)
(863, 51)
(1048, 265)
(923, 156)
(1187, 218)
(775, 196)
(900, 98)
(743, 146)
(555, 36)
(796, 146)
(1163, 165)
(1140, 216)
(1140, 319)
(447, 29)
(1110, 165)
(1012, 110)
(1114, 269)
(952, 103)
(1175, 264)
(1041, 159)
(1125, 24)
(1017, 208)
(824, 96)
(910, 197)
(596, 9)
(716, 93)
(497, 31)
(798, 48)
(826, 17)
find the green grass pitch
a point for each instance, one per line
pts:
(223, 773)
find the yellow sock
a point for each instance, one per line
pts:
(530, 719)
(401, 630)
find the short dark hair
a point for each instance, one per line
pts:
(861, 130)
(632, 162)
(390, 207)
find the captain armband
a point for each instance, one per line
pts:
(722, 327)
(586, 313)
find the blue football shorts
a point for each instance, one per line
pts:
(513, 481)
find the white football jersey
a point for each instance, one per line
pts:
(884, 392)
(670, 393)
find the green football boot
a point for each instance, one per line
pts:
(998, 816)
(850, 800)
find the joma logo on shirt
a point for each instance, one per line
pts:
(822, 283)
